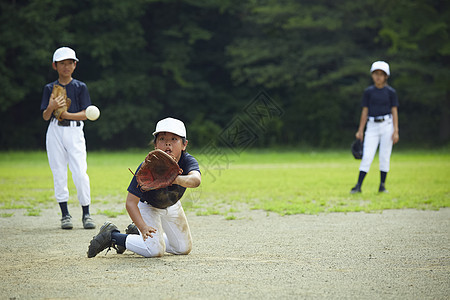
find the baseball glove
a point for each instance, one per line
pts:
(58, 91)
(357, 149)
(158, 170)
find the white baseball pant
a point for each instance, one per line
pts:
(66, 145)
(377, 134)
(173, 234)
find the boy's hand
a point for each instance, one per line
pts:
(60, 101)
(147, 231)
(56, 102)
(395, 137)
(360, 135)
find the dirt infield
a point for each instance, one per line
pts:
(393, 254)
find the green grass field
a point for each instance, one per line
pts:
(282, 182)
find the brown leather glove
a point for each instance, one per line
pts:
(58, 91)
(158, 170)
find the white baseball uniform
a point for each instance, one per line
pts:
(162, 210)
(66, 144)
(379, 127)
(172, 232)
(377, 133)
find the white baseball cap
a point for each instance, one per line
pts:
(64, 53)
(380, 65)
(171, 125)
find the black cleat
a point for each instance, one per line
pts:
(356, 189)
(88, 223)
(382, 188)
(66, 222)
(102, 240)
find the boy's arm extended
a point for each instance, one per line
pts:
(191, 180)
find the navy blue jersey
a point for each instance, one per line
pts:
(76, 90)
(379, 101)
(165, 197)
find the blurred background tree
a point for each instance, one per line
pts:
(205, 61)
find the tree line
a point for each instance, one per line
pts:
(288, 72)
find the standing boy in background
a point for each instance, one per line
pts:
(65, 141)
(380, 112)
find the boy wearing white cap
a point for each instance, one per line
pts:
(158, 214)
(380, 113)
(65, 141)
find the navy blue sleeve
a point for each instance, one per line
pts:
(84, 97)
(365, 98)
(188, 163)
(393, 97)
(46, 95)
(78, 92)
(133, 188)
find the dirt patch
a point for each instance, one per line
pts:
(394, 254)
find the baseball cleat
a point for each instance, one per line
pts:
(356, 189)
(88, 223)
(66, 222)
(102, 240)
(382, 188)
(132, 229)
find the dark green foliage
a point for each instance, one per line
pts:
(205, 61)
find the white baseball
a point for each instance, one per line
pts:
(92, 112)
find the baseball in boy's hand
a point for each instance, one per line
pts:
(92, 112)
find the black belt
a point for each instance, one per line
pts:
(379, 119)
(66, 123)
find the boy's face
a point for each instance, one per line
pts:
(65, 67)
(379, 77)
(171, 144)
